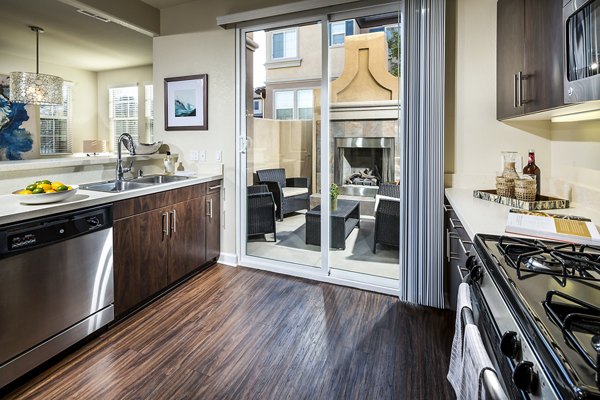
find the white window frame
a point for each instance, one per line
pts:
(285, 56)
(133, 118)
(54, 114)
(343, 33)
(295, 112)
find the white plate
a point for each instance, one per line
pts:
(44, 198)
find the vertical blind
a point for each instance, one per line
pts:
(123, 112)
(149, 111)
(422, 189)
(55, 125)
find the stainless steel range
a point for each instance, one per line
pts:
(538, 304)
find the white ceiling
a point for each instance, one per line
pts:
(72, 39)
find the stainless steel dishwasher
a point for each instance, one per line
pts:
(56, 286)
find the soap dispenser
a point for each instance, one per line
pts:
(169, 164)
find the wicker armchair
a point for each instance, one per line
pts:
(261, 211)
(387, 216)
(290, 194)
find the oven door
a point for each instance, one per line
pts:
(582, 50)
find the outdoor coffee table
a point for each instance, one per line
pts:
(343, 220)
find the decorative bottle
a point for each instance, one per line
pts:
(532, 169)
(169, 164)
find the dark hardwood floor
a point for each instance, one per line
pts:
(237, 333)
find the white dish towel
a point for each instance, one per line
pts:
(475, 360)
(463, 300)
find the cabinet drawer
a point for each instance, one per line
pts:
(213, 187)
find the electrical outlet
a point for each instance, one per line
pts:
(194, 155)
(218, 155)
(202, 155)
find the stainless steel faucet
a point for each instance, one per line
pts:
(131, 147)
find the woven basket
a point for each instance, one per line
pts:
(505, 186)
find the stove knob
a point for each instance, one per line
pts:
(525, 377)
(471, 262)
(510, 345)
(475, 274)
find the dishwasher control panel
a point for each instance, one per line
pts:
(28, 235)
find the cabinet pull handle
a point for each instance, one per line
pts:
(173, 221)
(448, 245)
(209, 212)
(460, 242)
(214, 187)
(165, 224)
(453, 221)
(516, 85)
(447, 207)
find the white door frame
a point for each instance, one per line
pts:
(322, 273)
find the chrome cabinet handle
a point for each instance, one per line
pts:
(516, 85)
(520, 78)
(460, 242)
(173, 221)
(214, 187)
(448, 245)
(453, 221)
(447, 207)
(210, 210)
(165, 224)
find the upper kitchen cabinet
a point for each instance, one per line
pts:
(529, 57)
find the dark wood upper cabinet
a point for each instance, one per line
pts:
(529, 57)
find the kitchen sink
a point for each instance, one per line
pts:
(158, 179)
(114, 186)
(137, 183)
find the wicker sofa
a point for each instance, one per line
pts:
(290, 194)
(387, 216)
(261, 211)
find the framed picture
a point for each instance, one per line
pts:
(186, 103)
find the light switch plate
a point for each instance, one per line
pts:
(202, 154)
(218, 155)
(194, 155)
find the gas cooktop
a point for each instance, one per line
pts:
(553, 291)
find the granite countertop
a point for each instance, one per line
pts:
(482, 216)
(11, 210)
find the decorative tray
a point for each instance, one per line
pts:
(541, 203)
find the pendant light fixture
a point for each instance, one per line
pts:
(36, 88)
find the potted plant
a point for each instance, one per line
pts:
(334, 192)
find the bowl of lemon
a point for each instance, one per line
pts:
(45, 191)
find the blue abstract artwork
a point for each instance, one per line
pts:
(14, 139)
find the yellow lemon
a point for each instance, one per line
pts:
(56, 184)
(25, 191)
(44, 186)
(50, 191)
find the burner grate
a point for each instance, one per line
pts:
(561, 261)
(578, 320)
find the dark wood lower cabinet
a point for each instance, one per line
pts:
(157, 243)
(186, 243)
(140, 259)
(213, 226)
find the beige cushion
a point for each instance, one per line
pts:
(293, 191)
(381, 197)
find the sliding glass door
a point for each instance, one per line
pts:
(320, 157)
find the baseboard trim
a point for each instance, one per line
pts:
(228, 259)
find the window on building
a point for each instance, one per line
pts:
(55, 125)
(293, 104)
(339, 30)
(284, 104)
(123, 112)
(149, 110)
(258, 108)
(284, 44)
(305, 103)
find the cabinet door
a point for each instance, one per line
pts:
(543, 88)
(140, 259)
(187, 240)
(510, 49)
(213, 226)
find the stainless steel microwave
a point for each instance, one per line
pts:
(582, 50)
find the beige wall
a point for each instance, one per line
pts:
(474, 138)
(84, 93)
(211, 53)
(139, 76)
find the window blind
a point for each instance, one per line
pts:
(123, 112)
(149, 111)
(55, 125)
